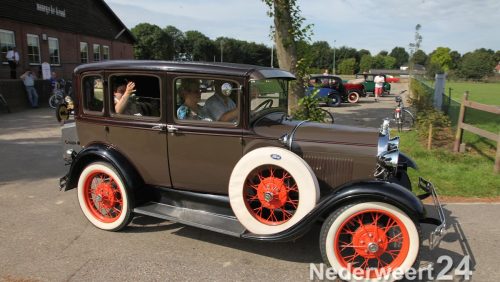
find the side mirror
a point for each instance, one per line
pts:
(226, 89)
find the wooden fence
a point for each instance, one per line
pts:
(461, 126)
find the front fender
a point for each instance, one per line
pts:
(404, 159)
(105, 153)
(369, 190)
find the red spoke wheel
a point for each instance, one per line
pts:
(271, 189)
(103, 197)
(370, 239)
(271, 194)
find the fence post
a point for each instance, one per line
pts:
(460, 131)
(497, 158)
(439, 90)
(429, 140)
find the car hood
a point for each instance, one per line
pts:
(275, 126)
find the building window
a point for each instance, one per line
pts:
(105, 52)
(7, 40)
(97, 52)
(54, 51)
(84, 52)
(33, 49)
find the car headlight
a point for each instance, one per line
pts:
(388, 149)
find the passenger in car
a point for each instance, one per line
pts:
(190, 93)
(220, 106)
(122, 94)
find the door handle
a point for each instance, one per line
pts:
(160, 127)
(172, 129)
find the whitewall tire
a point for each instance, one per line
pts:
(374, 238)
(271, 189)
(103, 197)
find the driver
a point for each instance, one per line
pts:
(220, 106)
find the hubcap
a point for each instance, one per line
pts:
(372, 239)
(271, 195)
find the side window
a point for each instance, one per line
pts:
(135, 95)
(208, 100)
(93, 96)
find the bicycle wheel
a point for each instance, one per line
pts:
(327, 116)
(407, 120)
(55, 100)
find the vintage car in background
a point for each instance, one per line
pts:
(258, 176)
(368, 82)
(333, 91)
(391, 79)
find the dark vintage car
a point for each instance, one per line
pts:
(258, 175)
(333, 91)
(370, 84)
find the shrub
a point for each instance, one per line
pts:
(309, 108)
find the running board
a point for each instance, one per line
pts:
(225, 224)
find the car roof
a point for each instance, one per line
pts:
(325, 76)
(255, 72)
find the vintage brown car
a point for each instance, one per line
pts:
(247, 170)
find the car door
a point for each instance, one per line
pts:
(202, 151)
(139, 132)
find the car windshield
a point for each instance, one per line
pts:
(268, 95)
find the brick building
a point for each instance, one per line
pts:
(64, 33)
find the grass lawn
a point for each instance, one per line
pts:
(466, 175)
(485, 93)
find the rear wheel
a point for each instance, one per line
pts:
(353, 97)
(103, 197)
(371, 240)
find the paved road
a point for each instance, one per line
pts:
(368, 113)
(44, 236)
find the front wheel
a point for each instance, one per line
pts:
(370, 240)
(327, 116)
(55, 100)
(103, 197)
(334, 100)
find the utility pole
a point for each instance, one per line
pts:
(221, 52)
(272, 55)
(334, 69)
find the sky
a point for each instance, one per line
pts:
(461, 25)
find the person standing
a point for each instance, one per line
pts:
(379, 86)
(29, 82)
(12, 57)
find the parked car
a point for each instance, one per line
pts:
(259, 176)
(333, 91)
(370, 84)
(392, 79)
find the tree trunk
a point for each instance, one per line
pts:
(286, 49)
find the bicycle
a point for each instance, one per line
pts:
(3, 104)
(327, 116)
(58, 94)
(402, 115)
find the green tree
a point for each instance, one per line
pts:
(289, 28)
(321, 55)
(365, 64)
(389, 62)
(151, 42)
(441, 57)
(419, 57)
(347, 66)
(199, 46)
(177, 41)
(415, 46)
(401, 56)
(378, 62)
(455, 60)
(478, 64)
(383, 53)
